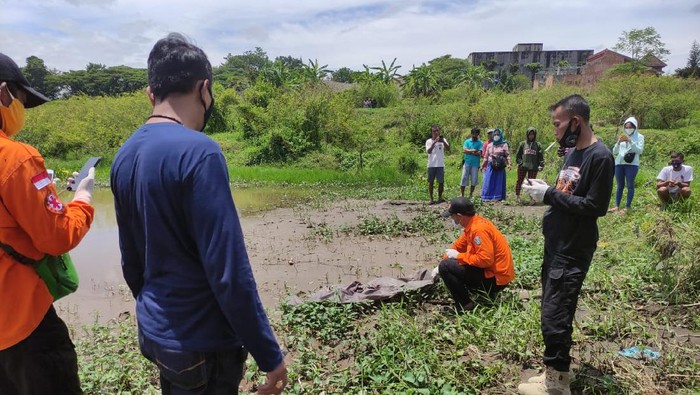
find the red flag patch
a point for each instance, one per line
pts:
(41, 180)
(54, 205)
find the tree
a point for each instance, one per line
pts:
(40, 77)
(387, 74)
(448, 70)
(100, 80)
(692, 70)
(365, 76)
(290, 62)
(422, 81)
(278, 74)
(314, 72)
(474, 76)
(534, 68)
(639, 43)
(343, 74)
(241, 70)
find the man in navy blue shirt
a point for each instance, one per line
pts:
(183, 254)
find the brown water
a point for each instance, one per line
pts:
(103, 294)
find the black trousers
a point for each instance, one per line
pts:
(194, 372)
(461, 279)
(562, 278)
(45, 363)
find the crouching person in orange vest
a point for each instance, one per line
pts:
(479, 260)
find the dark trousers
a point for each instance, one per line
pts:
(461, 279)
(193, 372)
(45, 363)
(562, 278)
(522, 172)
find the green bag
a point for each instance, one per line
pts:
(58, 272)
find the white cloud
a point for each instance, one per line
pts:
(70, 34)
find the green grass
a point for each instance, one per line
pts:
(291, 175)
(631, 297)
(637, 293)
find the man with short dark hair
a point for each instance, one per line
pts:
(435, 146)
(183, 253)
(479, 260)
(472, 162)
(673, 181)
(570, 227)
(37, 355)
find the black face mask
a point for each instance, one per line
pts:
(568, 140)
(207, 111)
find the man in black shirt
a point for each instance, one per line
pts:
(570, 227)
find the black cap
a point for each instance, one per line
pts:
(10, 72)
(460, 205)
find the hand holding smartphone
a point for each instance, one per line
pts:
(92, 162)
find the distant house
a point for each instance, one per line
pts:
(601, 62)
(525, 53)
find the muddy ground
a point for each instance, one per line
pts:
(293, 251)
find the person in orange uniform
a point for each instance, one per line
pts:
(479, 260)
(36, 352)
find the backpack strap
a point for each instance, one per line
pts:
(16, 255)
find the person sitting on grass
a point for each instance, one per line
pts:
(673, 181)
(479, 260)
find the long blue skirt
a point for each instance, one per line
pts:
(494, 187)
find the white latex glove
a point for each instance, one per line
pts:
(536, 188)
(84, 190)
(451, 253)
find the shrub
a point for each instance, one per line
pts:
(408, 164)
(385, 94)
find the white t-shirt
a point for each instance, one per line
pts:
(437, 157)
(685, 174)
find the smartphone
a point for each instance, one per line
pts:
(92, 162)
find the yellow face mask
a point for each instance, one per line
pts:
(12, 117)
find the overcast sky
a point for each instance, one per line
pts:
(69, 34)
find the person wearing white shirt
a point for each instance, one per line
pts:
(435, 146)
(673, 181)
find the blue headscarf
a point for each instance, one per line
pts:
(498, 132)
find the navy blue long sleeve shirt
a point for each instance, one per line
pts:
(183, 253)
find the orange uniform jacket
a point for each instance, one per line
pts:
(34, 222)
(482, 245)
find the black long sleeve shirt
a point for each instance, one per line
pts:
(581, 195)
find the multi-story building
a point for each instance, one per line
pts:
(526, 53)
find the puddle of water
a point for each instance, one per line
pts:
(103, 294)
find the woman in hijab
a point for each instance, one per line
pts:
(496, 161)
(627, 149)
